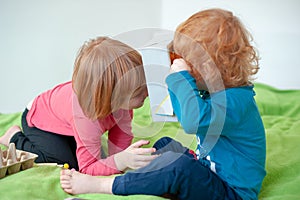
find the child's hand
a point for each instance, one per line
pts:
(134, 156)
(179, 65)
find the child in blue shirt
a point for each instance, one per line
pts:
(209, 84)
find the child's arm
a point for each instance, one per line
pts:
(120, 136)
(87, 136)
(192, 111)
(88, 140)
(89, 152)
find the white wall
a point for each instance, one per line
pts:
(40, 38)
(275, 27)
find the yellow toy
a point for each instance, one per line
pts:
(66, 166)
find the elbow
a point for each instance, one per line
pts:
(189, 127)
(88, 169)
(84, 170)
(189, 130)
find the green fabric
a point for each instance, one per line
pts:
(280, 110)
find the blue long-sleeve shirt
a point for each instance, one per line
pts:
(229, 129)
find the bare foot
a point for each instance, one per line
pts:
(5, 139)
(74, 182)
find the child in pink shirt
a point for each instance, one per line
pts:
(213, 98)
(65, 124)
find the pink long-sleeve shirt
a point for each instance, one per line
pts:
(58, 111)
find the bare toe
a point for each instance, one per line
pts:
(74, 182)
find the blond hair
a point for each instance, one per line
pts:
(222, 38)
(105, 71)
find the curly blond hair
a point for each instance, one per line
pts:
(217, 36)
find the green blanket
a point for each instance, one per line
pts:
(280, 110)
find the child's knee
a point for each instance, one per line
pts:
(163, 141)
(179, 162)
